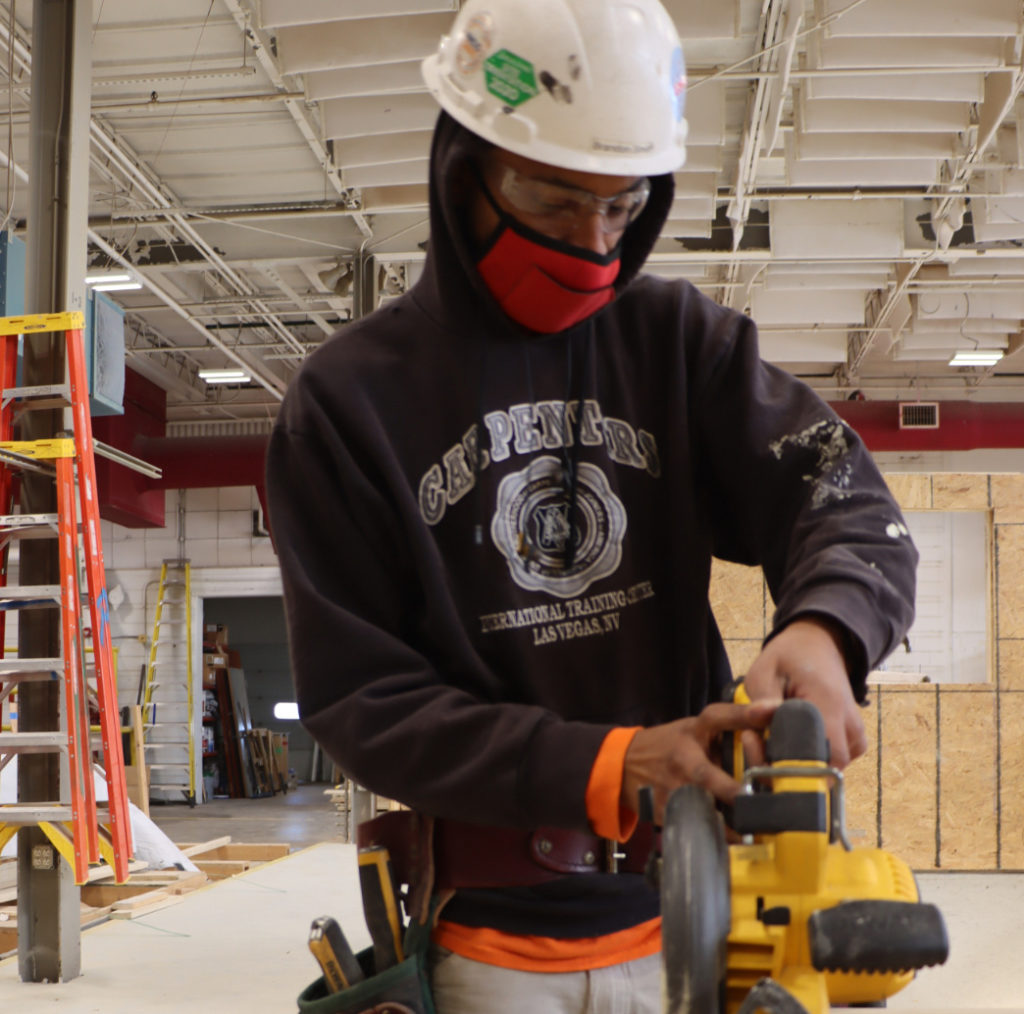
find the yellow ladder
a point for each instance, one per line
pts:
(168, 704)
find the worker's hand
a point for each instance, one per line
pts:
(686, 751)
(805, 660)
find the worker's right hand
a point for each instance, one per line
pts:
(686, 751)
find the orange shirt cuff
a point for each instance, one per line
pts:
(608, 817)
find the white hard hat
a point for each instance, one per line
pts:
(592, 85)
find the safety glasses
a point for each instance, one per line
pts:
(557, 206)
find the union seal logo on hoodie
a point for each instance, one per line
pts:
(531, 527)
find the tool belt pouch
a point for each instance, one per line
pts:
(402, 989)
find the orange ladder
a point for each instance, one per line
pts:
(77, 828)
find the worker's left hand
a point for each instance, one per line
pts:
(805, 660)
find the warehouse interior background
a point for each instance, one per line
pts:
(257, 177)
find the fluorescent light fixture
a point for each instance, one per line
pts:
(286, 711)
(116, 286)
(100, 279)
(228, 376)
(977, 357)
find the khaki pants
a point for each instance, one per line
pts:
(463, 986)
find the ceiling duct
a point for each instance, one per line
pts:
(919, 415)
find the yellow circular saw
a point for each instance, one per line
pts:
(791, 920)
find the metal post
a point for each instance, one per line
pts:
(364, 806)
(49, 942)
(364, 285)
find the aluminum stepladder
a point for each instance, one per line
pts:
(169, 702)
(80, 831)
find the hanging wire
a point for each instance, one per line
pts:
(185, 80)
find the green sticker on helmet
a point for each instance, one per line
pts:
(510, 78)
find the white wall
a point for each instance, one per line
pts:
(222, 551)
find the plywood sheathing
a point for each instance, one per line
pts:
(1011, 665)
(968, 804)
(737, 597)
(738, 600)
(912, 490)
(956, 491)
(1010, 580)
(908, 776)
(1011, 780)
(1007, 493)
(861, 782)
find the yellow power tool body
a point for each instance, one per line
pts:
(808, 922)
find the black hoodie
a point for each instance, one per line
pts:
(443, 653)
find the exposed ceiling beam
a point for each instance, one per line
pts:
(262, 47)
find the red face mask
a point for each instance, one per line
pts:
(542, 283)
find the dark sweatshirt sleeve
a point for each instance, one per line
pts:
(792, 488)
(384, 678)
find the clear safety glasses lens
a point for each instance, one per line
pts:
(559, 202)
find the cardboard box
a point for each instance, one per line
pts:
(213, 663)
(215, 634)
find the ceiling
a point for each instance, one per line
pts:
(855, 181)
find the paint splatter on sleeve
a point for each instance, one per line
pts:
(833, 470)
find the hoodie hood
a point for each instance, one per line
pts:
(451, 286)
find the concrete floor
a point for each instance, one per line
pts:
(240, 945)
(236, 945)
(301, 817)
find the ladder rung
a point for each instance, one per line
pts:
(166, 767)
(32, 742)
(28, 526)
(40, 396)
(33, 813)
(26, 669)
(157, 746)
(29, 596)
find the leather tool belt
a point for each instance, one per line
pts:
(460, 854)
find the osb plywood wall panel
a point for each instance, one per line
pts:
(955, 491)
(1011, 780)
(861, 781)
(737, 599)
(1009, 582)
(942, 783)
(968, 805)
(1011, 664)
(1007, 492)
(913, 490)
(908, 776)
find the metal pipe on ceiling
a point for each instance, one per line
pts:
(153, 103)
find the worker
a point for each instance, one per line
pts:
(496, 499)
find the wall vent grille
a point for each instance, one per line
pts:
(919, 415)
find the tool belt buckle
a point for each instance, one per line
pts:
(613, 853)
